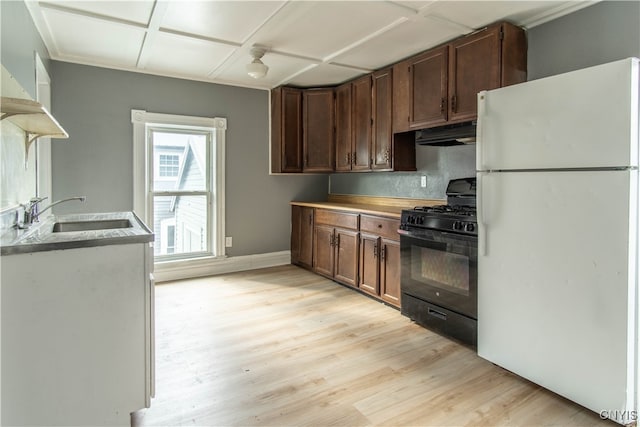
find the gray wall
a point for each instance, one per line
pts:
(94, 105)
(598, 34)
(601, 33)
(19, 40)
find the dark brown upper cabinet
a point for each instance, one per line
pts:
(364, 134)
(367, 124)
(286, 130)
(361, 124)
(428, 75)
(344, 136)
(382, 134)
(400, 110)
(353, 125)
(318, 130)
(442, 84)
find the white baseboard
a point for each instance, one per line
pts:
(164, 272)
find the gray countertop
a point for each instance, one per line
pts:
(41, 237)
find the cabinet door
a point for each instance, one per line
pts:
(346, 257)
(401, 99)
(369, 265)
(286, 130)
(381, 141)
(390, 272)
(474, 66)
(428, 88)
(296, 233)
(318, 136)
(343, 128)
(323, 250)
(302, 236)
(361, 125)
(305, 258)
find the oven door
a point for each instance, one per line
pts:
(441, 268)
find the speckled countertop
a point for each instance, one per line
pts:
(388, 211)
(41, 237)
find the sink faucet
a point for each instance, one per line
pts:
(32, 211)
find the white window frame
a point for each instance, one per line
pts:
(142, 200)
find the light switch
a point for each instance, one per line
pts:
(423, 181)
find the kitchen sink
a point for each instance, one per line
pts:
(88, 225)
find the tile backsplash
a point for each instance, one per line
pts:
(437, 164)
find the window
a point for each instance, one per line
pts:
(168, 165)
(178, 183)
(167, 241)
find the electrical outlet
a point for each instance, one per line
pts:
(423, 181)
(228, 242)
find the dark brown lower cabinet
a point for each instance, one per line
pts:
(380, 258)
(358, 250)
(302, 236)
(390, 272)
(336, 254)
(369, 264)
(336, 240)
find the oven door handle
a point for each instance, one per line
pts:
(446, 234)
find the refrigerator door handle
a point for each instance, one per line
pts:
(479, 130)
(481, 202)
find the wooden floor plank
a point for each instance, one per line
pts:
(283, 346)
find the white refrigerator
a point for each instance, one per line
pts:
(557, 177)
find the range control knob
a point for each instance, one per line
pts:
(420, 220)
(458, 225)
(470, 227)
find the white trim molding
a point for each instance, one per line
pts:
(171, 270)
(142, 199)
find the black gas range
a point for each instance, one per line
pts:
(458, 215)
(438, 251)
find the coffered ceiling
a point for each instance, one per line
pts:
(308, 43)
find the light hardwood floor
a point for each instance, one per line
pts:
(283, 346)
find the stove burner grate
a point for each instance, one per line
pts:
(465, 210)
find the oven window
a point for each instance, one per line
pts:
(446, 270)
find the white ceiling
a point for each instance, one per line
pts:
(309, 43)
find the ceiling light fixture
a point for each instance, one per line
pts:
(257, 69)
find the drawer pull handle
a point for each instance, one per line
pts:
(436, 313)
(379, 225)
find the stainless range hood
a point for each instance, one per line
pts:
(457, 134)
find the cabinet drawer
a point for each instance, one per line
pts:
(384, 227)
(337, 219)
